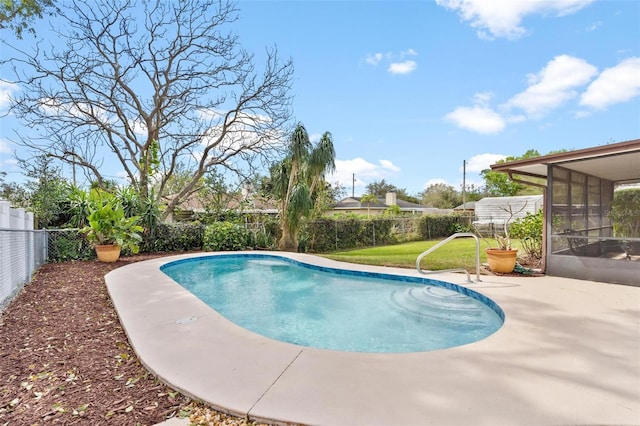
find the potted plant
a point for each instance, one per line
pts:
(503, 258)
(109, 230)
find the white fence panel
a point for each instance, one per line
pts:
(22, 250)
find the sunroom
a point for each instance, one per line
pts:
(591, 210)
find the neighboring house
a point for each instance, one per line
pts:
(379, 206)
(469, 206)
(245, 203)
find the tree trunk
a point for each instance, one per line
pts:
(288, 241)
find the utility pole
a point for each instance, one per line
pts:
(464, 186)
(353, 185)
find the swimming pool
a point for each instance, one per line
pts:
(344, 310)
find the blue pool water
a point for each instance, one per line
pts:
(333, 309)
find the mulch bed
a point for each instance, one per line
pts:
(65, 359)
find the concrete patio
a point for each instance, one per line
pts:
(568, 353)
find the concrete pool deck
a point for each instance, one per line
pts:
(568, 353)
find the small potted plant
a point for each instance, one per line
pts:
(109, 230)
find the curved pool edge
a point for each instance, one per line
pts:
(192, 348)
(350, 269)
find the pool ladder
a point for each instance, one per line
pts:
(443, 242)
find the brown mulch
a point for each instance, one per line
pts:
(65, 359)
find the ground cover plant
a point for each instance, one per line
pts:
(65, 359)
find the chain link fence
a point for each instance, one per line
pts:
(68, 244)
(21, 253)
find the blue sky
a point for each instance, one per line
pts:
(411, 89)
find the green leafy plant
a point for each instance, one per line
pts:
(262, 239)
(225, 236)
(529, 231)
(79, 207)
(625, 213)
(109, 225)
(176, 237)
(393, 210)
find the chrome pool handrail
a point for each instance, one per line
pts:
(445, 241)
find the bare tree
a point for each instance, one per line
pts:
(152, 85)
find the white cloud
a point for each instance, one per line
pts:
(482, 98)
(364, 171)
(5, 147)
(315, 137)
(503, 18)
(479, 119)
(139, 127)
(614, 85)
(6, 90)
(248, 132)
(388, 165)
(54, 107)
(480, 162)
(405, 67)
(6, 163)
(594, 26)
(553, 85)
(435, 181)
(374, 59)
(397, 64)
(558, 82)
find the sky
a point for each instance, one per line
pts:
(411, 90)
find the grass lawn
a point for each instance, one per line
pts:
(458, 253)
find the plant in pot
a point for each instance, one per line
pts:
(109, 230)
(503, 258)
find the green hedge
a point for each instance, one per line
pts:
(336, 234)
(319, 236)
(441, 226)
(181, 236)
(225, 236)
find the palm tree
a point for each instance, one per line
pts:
(368, 198)
(296, 178)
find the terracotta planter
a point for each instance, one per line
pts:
(108, 253)
(502, 261)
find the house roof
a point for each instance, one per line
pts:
(469, 205)
(354, 203)
(617, 162)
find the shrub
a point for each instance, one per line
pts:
(71, 244)
(262, 239)
(225, 236)
(529, 231)
(625, 213)
(441, 226)
(175, 237)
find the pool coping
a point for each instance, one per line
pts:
(568, 353)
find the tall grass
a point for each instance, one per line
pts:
(458, 253)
